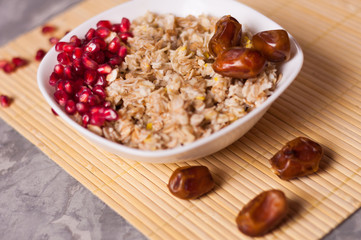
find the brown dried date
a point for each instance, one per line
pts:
(190, 182)
(238, 62)
(228, 34)
(263, 213)
(297, 158)
(273, 44)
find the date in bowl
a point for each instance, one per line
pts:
(255, 22)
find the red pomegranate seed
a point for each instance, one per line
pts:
(78, 52)
(68, 87)
(59, 46)
(18, 61)
(53, 79)
(97, 109)
(5, 101)
(89, 63)
(85, 119)
(68, 72)
(3, 62)
(90, 77)
(59, 85)
(115, 61)
(53, 111)
(90, 34)
(82, 107)
(75, 40)
(103, 32)
(70, 107)
(93, 100)
(101, 81)
(84, 96)
(101, 42)
(39, 55)
(69, 47)
(53, 40)
(115, 28)
(104, 69)
(98, 90)
(81, 90)
(107, 104)
(9, 67)
(97, 116)
(125, 35)
(78, 67)
(125, 25)
(99, 57)
(104, 23)
(48, 29)
(110, 114)
(122, 52)
(61, 97)
(92, 47)
(63, 58)
(59, 69)
(114, 45)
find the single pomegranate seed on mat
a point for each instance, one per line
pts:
(19, 62)
(61, 97)
(70, 107)
(53, 111)
(125, 25)
(53, 40)
(5, 101)
(104, 23)
(104, 69)
(3, 62)
(48, 29)
(9, 67)
(40, 55)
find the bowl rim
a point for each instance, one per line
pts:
(180, 149)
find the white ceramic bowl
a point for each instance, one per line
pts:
(253, 20)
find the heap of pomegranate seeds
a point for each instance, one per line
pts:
(5, 101)
(79, 78)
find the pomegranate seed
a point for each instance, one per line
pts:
(99, 57)
(122, 52)
(3, 62)
(89, 63)
(101, 42)
(85, 119)
(19, 61)
(53, 40)
(75, 40)
(114, 45)
(59, 69)
(101, 81)
(125, 35)
(97, 109)
(81, 90)
(97, 116)
(92, 47)
(68, 72)
(107, 104)
(39, 55)
(53, 79)
(61, 97)
(104, 69)
(63, 58)
(90, 77)
(68, 87)
(5, 101)
(84, 96)
(59, 85)
(78, 67)
(110, 114)
(104, 23)
(69, 47)
(82, 107)
(125, 25)
(9, 67)
(78, 52)
(90, 34)
(70, 107)
(59, 46)
(53, 111)
(103, 32)
(99, 91)
(48, 29)
(93, 100)
(115, 28)
(115, 61)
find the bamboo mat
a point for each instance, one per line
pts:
(324, 104)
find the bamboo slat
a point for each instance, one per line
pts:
(323, 103)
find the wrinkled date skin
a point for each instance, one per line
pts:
(228, 34)
(263, 213)
(273, 44)
(297, 158)
(190, 182)
(238, 62)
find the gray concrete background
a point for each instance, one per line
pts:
(39, 200)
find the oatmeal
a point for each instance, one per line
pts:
(166, 92)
